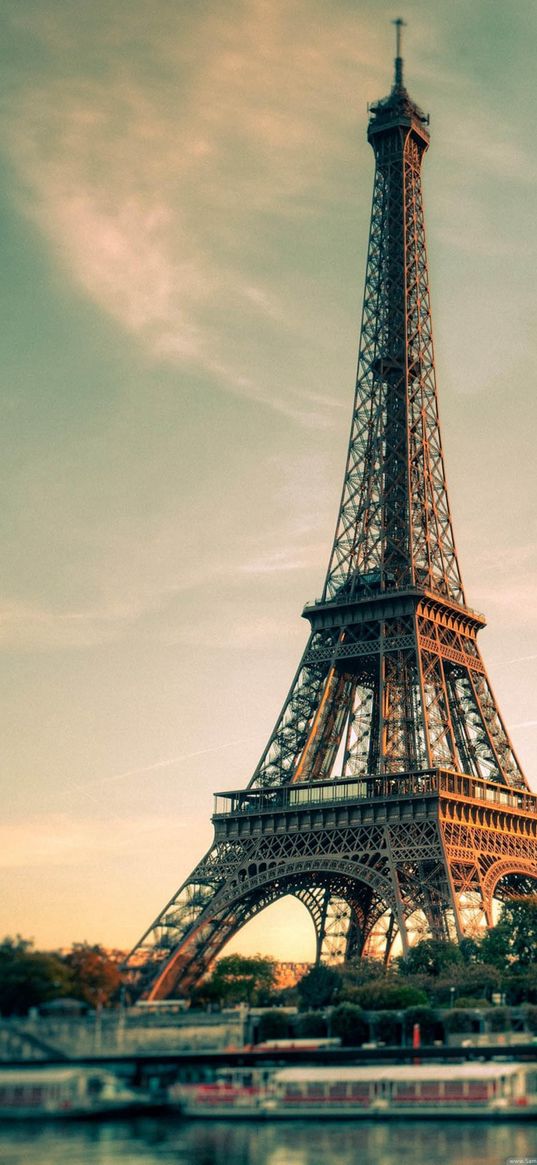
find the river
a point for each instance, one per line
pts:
(165, 1141)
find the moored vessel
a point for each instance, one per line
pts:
(65, 1092)
(496, 1090)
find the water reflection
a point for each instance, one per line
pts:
(163, 1142)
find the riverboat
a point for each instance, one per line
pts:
(235, 1092)
(65, 1093)
(495, 1090)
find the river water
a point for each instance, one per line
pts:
(165, 1141)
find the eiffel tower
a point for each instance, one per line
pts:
(389, 799)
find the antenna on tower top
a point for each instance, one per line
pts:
(399, 25)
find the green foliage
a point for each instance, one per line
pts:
(459, 1020)
(467, 1001)
(348, 1022)
(386, 1029)
(238, 979)
(469, 950)
(318, 987)
(358, 972)
(520, 986)
(428, 1023)
(430, 957)
(286, 997)
(388, 996)
(476, 980)
(513, 942)
(499, 1019)
(530, 1017)
(29, 977)
(273, 1025)
(310, 1023)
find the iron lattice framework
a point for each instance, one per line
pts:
(389, 799)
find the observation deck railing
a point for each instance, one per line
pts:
(367, 788)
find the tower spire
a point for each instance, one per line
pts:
(398, 78)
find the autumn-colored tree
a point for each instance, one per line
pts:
(95, 974)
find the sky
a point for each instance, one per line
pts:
(185, 200)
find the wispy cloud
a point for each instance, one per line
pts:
(159, 202)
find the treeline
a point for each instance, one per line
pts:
(31, 978)
(501, 967)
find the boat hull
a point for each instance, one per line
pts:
(357, 1112)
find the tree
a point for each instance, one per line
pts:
(430, 957)
(469, 950)
(310, 1024)
(95, 974)
(530, 1016)
(385, 996)
(318, 987)
(425, 1018)
(499, 1019)
(29, 977)
(348, 1022)
(477, 980)
(513, 942)
(519, 986)
(273, 1025)
(239, 979)
(358, 972)
(460, 1020)
(387, 1028)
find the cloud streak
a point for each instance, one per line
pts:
(170, 762)
(156, 202)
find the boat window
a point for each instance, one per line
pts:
(338, 1091)
(430, 1090)
(453, 1090)
(406, 1091)
(360, 1089)
(478, 1090)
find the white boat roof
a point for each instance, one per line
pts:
(407, 1073)
(36, 1075)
